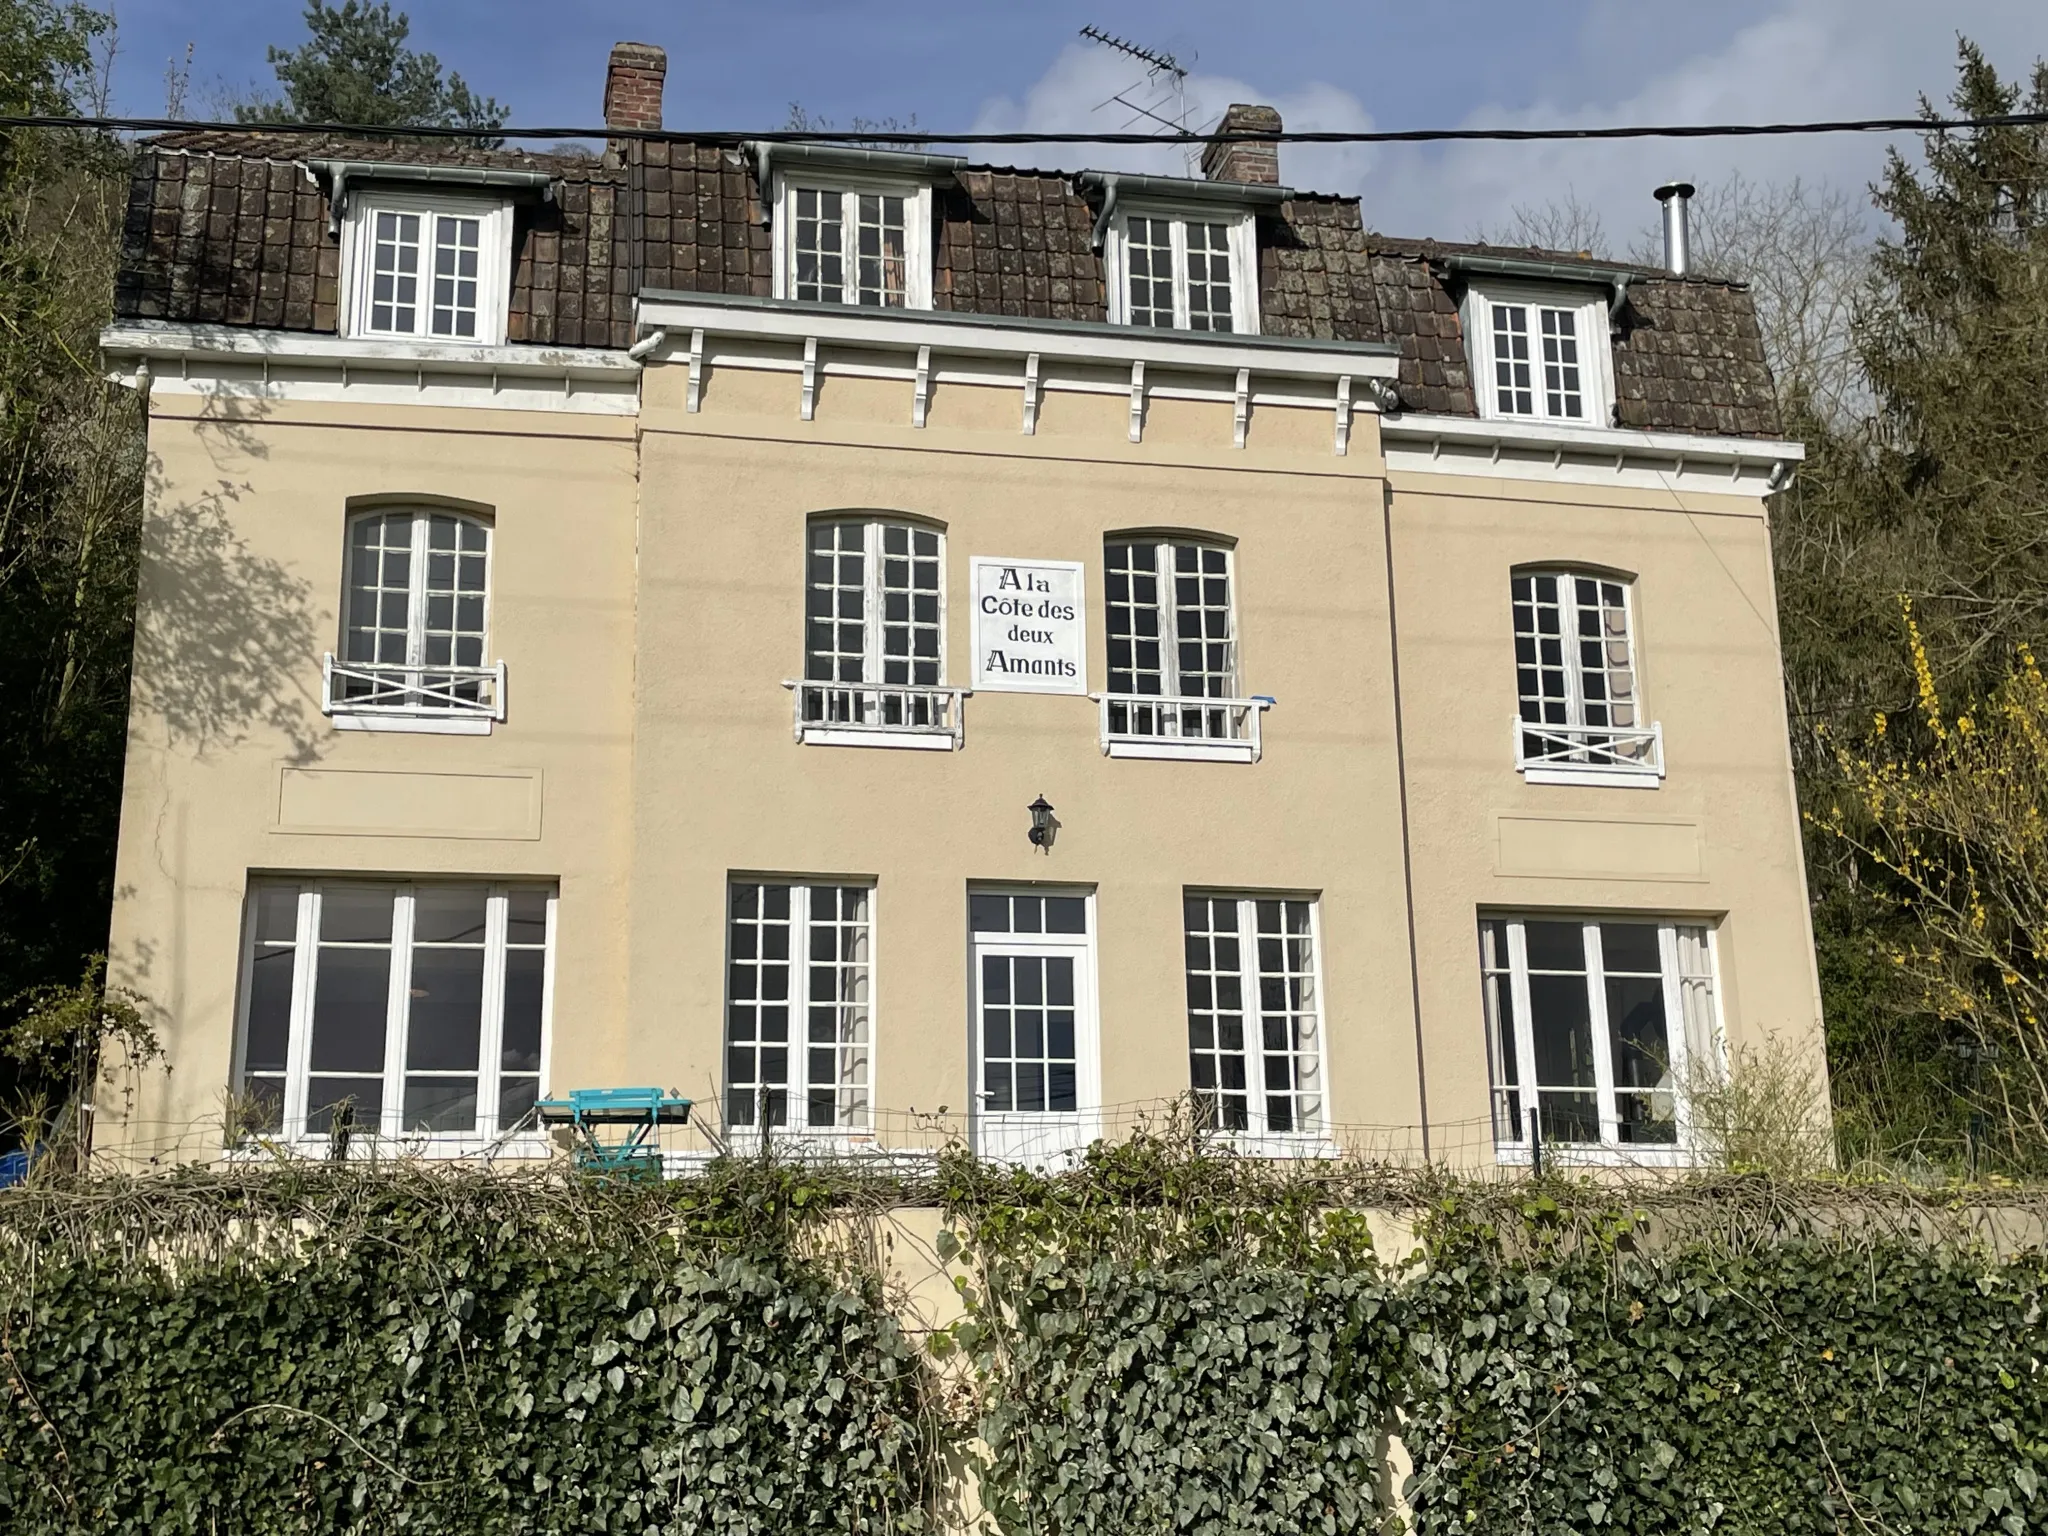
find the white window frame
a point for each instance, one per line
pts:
(1171, 724)
(1633, 756)
(1595, 341)
(1038, 1137)
(796, 1089)
(1258, 1137)
(389, 1132)
(850, 185)
(1511, 1143)
(874, 713)
(494, 264)
(1241, 230)
(413, 714)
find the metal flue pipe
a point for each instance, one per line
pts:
(1676, 196)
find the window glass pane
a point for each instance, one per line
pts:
(395, 272)
(817, 249)
(879, 250)
(1066, 914)
(379, 604)
(526, 916)
(1137, 661)
(351, 1002)
(821, 1080)
(325, 1096)
(457, 247)
(1148, 267)
(1502, 1050)
(270, 1008)
(910, 627)
(1217, 1065)
(1209, 307)
(525, 978)
(1288, 1014)
(453, 623)
(1206, 652)
(836, 1069)
(1514, 394)
(1561, 394)
(445, 1023)
(835, 607)
(987, 913)
(448, 914)
(440, 1103)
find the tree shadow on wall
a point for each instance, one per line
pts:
(226, 645)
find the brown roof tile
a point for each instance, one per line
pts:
(232, 227)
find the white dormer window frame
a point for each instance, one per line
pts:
(857, 203)
(1540, 353)
(1189, 242)
(420, 267)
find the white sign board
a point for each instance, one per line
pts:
(1030, 626)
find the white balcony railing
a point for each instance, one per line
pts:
(370, 695)
(857, 715)
(1590, 754)
(1213, 730)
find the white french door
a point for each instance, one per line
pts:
(1037, 1092)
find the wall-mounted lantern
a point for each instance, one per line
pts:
(1043, 826)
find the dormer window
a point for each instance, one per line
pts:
(428, 269)
(1539, 355)
(1184, 271)
(866, 244)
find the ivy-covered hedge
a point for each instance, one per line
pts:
(1807, 1385)
(447, 1355)
(1160, 1342)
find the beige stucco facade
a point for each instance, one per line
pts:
(647, 581)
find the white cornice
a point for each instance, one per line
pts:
(1609, 456)
(959, 334)
(246, 363)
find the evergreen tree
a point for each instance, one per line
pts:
(1935, 498)
(355, 68)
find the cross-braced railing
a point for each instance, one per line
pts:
(850, 712)
(1602, 749)
(394, 689)
(1141, 725)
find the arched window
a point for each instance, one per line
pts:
(1579, 702)
(875, 634)
(1172, 620)
(414, 622)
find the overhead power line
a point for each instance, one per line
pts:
(921, 139)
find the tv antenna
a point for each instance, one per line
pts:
(1161, 97)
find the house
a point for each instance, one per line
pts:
(899, 648)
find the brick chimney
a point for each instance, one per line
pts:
(632, 86)
(1246, 159)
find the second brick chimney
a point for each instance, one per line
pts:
(1245, 159)
(632, 86)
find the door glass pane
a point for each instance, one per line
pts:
(1644, 1086)
(1215, 987)
(1028, 1033)
(1560, 1018)
(351, 1001)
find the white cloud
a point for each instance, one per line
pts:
(1802, 60)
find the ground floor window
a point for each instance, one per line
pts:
(1254, 1013)
(797, 1014)
(408, 1008)
(1596, 1027)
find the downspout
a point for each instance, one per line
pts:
(645, 345)
(1407, 839)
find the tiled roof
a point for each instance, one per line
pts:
(231, 228)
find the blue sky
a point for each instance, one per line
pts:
(1326, 63)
